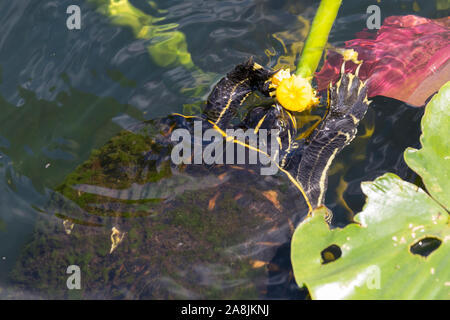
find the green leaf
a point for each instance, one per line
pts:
(376, 261)
(432, 162)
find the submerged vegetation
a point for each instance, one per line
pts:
(167, 46)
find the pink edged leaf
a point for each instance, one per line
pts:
(407, 59)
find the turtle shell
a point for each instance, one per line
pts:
(140, 227)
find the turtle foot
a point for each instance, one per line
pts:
(348, 104)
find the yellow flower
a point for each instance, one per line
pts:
(296, 94)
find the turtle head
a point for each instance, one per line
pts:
(253, 73)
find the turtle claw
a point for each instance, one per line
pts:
(348, 99)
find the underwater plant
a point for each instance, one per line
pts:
(167, 46)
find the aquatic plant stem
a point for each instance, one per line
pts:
(317, 38)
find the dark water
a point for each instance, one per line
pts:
(66, 92)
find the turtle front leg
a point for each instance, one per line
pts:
(347, 106)
(232, 90)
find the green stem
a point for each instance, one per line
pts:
(317, 37)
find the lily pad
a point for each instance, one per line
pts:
(374, 258)
(398, 247)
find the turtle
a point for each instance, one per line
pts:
(140, 226)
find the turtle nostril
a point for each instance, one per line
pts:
(331, 254)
